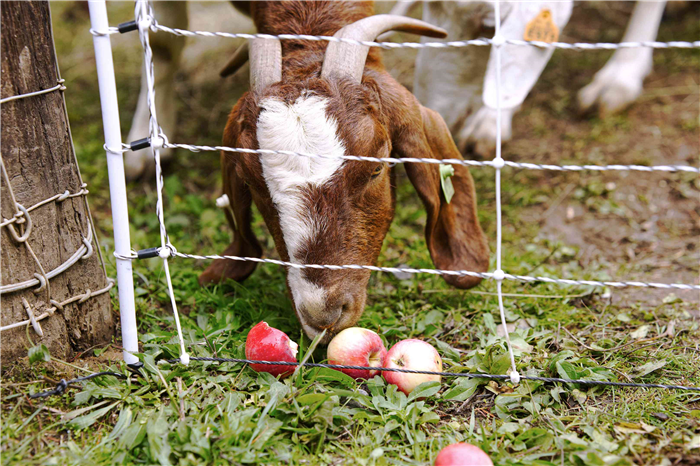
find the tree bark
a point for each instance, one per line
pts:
(38, 157)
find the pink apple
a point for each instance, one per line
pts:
(412, 354)
(462, 454)
(357, 346)
(265, 343)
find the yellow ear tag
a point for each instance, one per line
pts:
(542, 28)
(447, 171)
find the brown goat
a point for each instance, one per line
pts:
(336, 99)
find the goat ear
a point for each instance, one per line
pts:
(238, 213)
(452, 231)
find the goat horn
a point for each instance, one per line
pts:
(265, 62)
(239, 58)
(345, 59)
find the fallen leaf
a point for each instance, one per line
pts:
(579, 396)
(519, 344)
(671, 329)
(694, 443)
(649, 367)
(647, 427)
(520, 323)
(641, 332)
(629, 428)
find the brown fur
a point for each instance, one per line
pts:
(375, 118)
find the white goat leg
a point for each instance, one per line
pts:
(167, 50)
(520, 69)
(450, 80)
(620, 81)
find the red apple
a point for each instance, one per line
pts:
(412, 354)
(462, 454)
(357, 346)
(265, 343)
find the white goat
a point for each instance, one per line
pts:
(460, 83)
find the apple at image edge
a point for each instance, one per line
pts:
(462, 454)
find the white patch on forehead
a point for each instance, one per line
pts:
(299, 127)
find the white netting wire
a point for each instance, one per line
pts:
(147, 23)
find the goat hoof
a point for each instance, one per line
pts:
(616, 86)
(135, 164)
(478, 136)
(609, 97)
(224, 269)
(140, 164)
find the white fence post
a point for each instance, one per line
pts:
(117, 181)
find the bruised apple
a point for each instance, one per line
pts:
(265, 343)
(462, 454)
(357, 346)
(412, 354)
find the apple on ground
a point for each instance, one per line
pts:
(462, 454)
(265, 343)
(412, 354)
(356, 346)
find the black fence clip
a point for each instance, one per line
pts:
(140, 144)
(128, 27)
(147, 253)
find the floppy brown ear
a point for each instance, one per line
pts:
(238, 214)
(452, 231)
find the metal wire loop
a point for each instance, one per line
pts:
(89, 251)
(27, 228)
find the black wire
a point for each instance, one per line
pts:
(63, 384)
(448, 374)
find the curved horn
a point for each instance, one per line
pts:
(265, 62)
(348, 60)
(239, 58)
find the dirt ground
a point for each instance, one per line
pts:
(649, 231)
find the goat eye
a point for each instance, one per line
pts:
(377, 171)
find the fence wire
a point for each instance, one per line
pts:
(58, 87)
(467, 163)
(64, 384)
(483, 42)
(22, 221)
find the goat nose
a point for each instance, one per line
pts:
(333, 311)
(330, 317)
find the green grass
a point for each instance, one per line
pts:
(227, 414)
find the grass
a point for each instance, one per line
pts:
(227, 414)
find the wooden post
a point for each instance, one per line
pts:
(39, 164)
